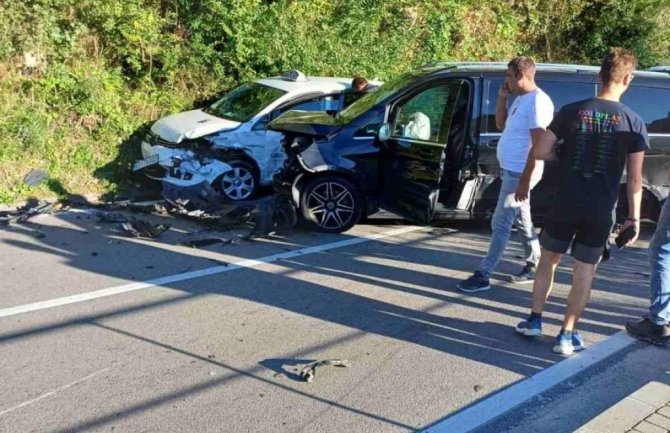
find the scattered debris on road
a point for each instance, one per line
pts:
(112, 217)
(32, 208)
(205, 242)
(137, 228)
(308, 373)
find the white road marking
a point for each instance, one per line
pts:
(49, 394)
(82, 297)
(498, 404)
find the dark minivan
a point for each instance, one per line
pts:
(423, 146)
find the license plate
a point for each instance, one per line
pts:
(146, 162)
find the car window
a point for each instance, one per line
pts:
(560, 92)
(652, 104)
(422, 117)
(321, 103)
(244, 102)
(384, 92)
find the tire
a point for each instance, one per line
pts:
(241, 183)
(330, 204)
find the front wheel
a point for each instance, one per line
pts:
(331, 204)
(240, 183)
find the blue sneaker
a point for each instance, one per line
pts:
(564, 345)
(530, 327)
(577, 341)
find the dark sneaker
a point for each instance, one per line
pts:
(530, 327)
(648, 331)
(526, 276)
(476, 283)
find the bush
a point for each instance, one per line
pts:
(83, 75)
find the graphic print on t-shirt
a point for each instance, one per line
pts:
(594, 142)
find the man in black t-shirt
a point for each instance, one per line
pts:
(600, 138)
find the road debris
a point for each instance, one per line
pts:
(32, 208)
(308, 373)
(112, 217)
(137, 228)
(205, 242)
(35, 177)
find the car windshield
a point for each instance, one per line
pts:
(244, 102)
(384, 92)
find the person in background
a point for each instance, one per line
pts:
(361, 84)
(601, 137)
(522, 126)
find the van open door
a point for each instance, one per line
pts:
(413, 150)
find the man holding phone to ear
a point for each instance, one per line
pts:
(522, 125)
(601, 137)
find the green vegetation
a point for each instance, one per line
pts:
(78, 77)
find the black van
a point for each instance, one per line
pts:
(373, 155)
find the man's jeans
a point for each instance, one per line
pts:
(659, 257)
(507, 211)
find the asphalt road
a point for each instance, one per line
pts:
(218, 348)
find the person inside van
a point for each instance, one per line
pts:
(601, 137)
(523, 125)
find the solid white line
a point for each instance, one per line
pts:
(73, 299)
(499, 404)
(49, 394)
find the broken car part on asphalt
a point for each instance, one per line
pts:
(308, 373)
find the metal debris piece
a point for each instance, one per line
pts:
(137, 228)
(308, 373)
(112, 217)
(22, 214)
(205, 242)
(35, 177)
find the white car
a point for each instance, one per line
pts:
(227, 144)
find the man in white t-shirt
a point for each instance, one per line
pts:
(522, 124)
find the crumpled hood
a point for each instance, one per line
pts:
(309, 123)
(189, 125)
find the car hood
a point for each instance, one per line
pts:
(189, 125)
(308, 123)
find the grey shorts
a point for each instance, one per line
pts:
(587, 237)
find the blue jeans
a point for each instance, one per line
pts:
(659, 257)
(508, 210)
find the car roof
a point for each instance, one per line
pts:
(660, 69)
(309, 84)
(540, 67)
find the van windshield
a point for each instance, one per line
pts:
(384, 92)
(244, 102)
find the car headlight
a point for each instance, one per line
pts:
(147, 150)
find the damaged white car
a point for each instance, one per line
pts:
(227, 144)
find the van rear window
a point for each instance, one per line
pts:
(560, 92)
(652, 104)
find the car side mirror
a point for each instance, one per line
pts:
(384, 132)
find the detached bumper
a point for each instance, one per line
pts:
(202, 196)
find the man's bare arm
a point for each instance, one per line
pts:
(501, 106)
(634, 190)
(545, 149)
(523, 191)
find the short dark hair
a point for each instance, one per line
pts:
(522, 65)
(617, 64)
(359, 81)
